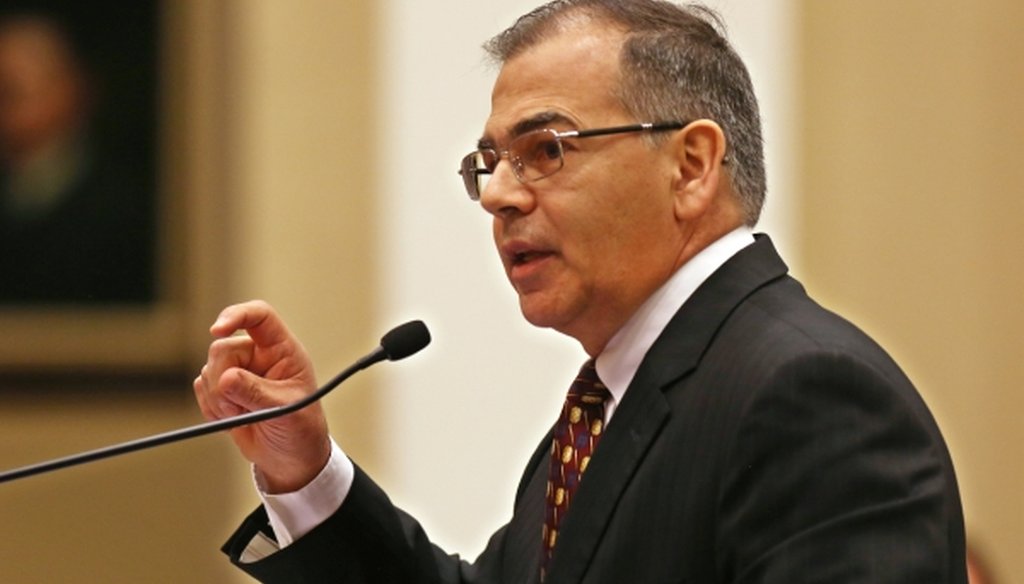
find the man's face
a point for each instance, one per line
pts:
(586, 246)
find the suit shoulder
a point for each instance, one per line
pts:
(779, 329)
(782, 318)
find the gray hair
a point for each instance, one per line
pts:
(676, 64)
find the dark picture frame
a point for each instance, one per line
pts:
(78, 153)
(84, 274)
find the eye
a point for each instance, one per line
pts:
(540, 148)
(550, 149)
(536, 154)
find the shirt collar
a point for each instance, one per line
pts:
(621, 357)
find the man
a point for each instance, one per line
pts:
(747, 435)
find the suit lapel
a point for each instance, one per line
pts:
(644, 409)
(523, 541)
(688, 335)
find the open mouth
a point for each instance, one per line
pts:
(524, 257)
(520, 253)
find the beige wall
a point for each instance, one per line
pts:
(914, 190)
(155, 516)
(268, 136)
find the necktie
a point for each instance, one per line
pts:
(575, 437)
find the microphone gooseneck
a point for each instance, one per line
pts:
(399, 343)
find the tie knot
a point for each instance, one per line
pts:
(588, 388)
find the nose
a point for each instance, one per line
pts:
(504, 193)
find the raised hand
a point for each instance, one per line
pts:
(262, 368)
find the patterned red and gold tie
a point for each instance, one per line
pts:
(575, 437)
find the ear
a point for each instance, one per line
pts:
(699, 149)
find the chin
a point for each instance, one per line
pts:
(543, 313)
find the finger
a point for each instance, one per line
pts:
(241, 391)
(201, 390)
(223, 355)
(212, 402)
(228, 352)
(257, 318)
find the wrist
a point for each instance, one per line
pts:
(292, 515)
(294, 474)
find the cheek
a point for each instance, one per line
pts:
(595, 254)
(623, 245)
(621, 222)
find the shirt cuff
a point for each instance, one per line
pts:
(293, 515)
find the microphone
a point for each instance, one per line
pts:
(399, 343)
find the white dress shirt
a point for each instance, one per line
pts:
(292, 515)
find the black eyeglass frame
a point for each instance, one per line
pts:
(470, 172)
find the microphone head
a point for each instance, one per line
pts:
(405, 339)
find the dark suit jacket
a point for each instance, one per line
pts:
(763, 439)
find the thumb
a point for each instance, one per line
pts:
(244, 391)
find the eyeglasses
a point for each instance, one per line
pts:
(537, 154)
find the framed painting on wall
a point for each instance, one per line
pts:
(86, 228)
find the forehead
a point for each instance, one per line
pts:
(567, 78)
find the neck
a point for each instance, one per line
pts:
(600, 330)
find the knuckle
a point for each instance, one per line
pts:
(240, 387)
(226, 351)
(217, 350)
(260, 305)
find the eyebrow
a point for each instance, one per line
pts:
(534, 122)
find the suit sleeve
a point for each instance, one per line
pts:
(837, 474)
(367, 541)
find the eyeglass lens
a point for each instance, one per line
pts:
(533, 156)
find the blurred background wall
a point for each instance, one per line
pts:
(310, 154)
(913, 216)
